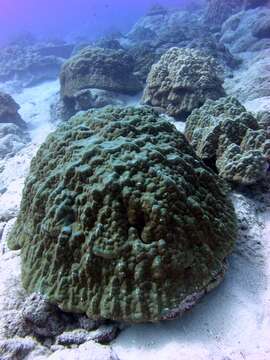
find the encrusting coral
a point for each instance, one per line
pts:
(121, 220)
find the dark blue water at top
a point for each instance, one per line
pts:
(61, 18)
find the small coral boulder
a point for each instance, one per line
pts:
(120, 219)
(99, 68)
(9, 111)
(181, 81)
(225, 135)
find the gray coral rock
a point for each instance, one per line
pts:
(12, 139)
(263, 118)
(181, 81)
(262, 29)
(247, 30)
(175, 28)
(103, 335)
(9, 111)
(220, 10)
(27, 65)
(225, 135)
(13, 135)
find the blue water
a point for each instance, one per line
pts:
(60, 18)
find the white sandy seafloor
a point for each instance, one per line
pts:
(35, 110)
(231, 323)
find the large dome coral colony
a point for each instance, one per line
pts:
(134, 172)
(121, 220)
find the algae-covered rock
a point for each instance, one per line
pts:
(225, 135)
(120, 220)
(181, 81)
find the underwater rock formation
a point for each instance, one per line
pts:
(12, 139)
(220, 10)
(59, 50)
(12, 127)
(181, 81)
(9, 111)
(247, 31)
(144, 57)
(263, 118)
(157, 9)
(28, 65)
(262, 29)
(229, 138)
(108, 43)
(243, 34)
(159, 33)
(84, 100)
(120, 220)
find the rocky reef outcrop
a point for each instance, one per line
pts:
(29, 65)
(231, 139)
(247, 31)
(220, 10)
(120, 220)
(13, 135)
(165, 29)
(12, 139)
(181, 81)
(9, 111)
(246, 35)
(144, 57)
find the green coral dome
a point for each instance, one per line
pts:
(121, 220)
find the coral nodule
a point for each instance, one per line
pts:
(228, 137)
(121, 220)
(181, 81)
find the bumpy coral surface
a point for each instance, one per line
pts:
(225, 135)
(181, 81)
(121, 220)
(99, 68)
